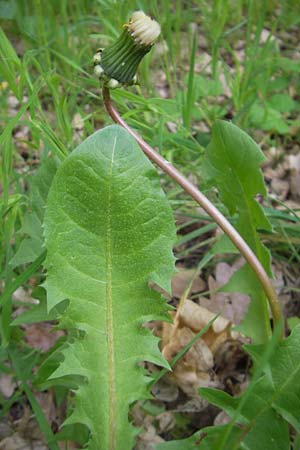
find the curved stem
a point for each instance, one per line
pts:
(211, 210)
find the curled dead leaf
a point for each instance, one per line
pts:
(196, 368)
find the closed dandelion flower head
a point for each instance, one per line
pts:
(117, 64)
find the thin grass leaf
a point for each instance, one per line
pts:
(190, 95)
(39, 415)
(10, 65)
(22, 278)
(31, 247)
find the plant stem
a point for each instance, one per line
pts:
(211, 210)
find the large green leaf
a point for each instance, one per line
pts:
(232, 164)
(109, 231)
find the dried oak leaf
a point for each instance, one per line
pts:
(194, 369)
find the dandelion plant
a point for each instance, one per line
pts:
(109, 232)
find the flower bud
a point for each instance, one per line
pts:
(117, 64)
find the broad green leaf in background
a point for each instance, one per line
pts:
(205, 87)
(203, 440)
(267, 118)
(232, 164)
(109, 230)
(261, 427)
(282, 102)
(269, 432)
(32, 245)
(282, 375)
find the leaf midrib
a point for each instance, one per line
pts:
(109, 318)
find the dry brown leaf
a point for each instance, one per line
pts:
(181, 280)
(7, 386)
(77, 122)
(16, 442)
(292, 204)
(195, 368)
(46, 402)
(226, 88)
(166, 421)
(194, 405)
(196, 317)
(204, 64)
(6, 429)
(27, 434)
(13, 104)
(232, 363)
(165, 390)
(280, 188)
(41, 336)
(222, 418)
(161, 84)
(231, 305)
(172, 127)
(147, 440)
(294, 162)
(22, 295)
(266, 35)
(149, 437)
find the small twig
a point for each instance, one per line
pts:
(211, 210)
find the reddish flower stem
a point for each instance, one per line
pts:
(211, 210)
